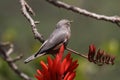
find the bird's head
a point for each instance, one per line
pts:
(64, 23)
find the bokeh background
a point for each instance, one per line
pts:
(85, 31)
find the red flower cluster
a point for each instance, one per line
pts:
(99, 57)
(58, 69)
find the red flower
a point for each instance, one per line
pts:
(99, 57)
(58, 69)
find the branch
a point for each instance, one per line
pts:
(26, 9)
(77, 53)
(11, 61)
(16, 59)
(113, 19)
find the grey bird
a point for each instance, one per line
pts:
(60, 36)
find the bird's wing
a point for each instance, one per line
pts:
(57, 37)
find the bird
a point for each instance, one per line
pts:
(60, 36)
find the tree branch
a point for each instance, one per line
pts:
(16, 59)
(11, 61)
(113, 19)
(77, 53)
(25, 9)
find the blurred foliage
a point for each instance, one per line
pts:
(85, 31)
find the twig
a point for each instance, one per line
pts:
(25, 9)
(10, 50)
(29, 9)
(113, 19)
(17, 58)
(6, 44)
(11, 63)
(75, 52)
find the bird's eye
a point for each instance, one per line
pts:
(67, 23)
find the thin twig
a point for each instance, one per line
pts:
(113, 19)
(17, 58)
(29, 9)
(7, 44)
(25, 8)
(75, 52)
(10, 50)
(4, 44)
(11, 63)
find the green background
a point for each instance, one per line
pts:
(85, 31)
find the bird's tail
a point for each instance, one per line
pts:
(32, 57)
